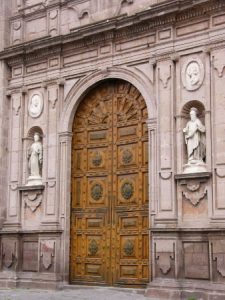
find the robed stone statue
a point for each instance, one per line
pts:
(35, 156)
(194, 134)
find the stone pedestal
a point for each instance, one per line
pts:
(34, 181)
(195, 167)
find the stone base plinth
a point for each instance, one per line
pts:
(29, 283)
(195, 167)
(34, 180)
(185, 289)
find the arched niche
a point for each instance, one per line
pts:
(32, 131)
(185, 115)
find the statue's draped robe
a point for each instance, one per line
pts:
(35, 159)
(195, 140)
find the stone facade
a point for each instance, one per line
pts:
(59, 49)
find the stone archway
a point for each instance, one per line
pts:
(75, 96)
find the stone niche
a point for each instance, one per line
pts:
(185, 115)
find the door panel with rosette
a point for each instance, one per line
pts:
(109, 215)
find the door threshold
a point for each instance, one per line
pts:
(129, 289)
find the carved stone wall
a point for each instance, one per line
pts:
(63, 17)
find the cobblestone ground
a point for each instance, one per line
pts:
(80, 293)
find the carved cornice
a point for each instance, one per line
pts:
(117, 28)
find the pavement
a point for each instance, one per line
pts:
(78, 293)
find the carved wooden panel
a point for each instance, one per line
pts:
(109, 223)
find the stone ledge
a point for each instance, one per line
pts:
(193, 175)
(31, 187)
(187, 230)
(35, 231)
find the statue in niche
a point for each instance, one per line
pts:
(194, 133)
(35, 155)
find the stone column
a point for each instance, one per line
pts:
(65, 139)
(5, 12)
(14, 157)
(52, 155)
(165, 93)
(153, 180)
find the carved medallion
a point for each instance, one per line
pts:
(93, 247)
(127, 190)
(35, 105)
(97, 159)
(127, 157)
(32, 199)
(128, 248)
(193, 74)
(194, 192)
(96, 191)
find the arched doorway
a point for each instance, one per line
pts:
(109, 212)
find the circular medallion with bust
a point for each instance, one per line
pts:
(35, 105)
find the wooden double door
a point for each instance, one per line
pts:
(109, 215)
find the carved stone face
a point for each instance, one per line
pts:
(35, 105)
(35, 101)
(193, 115)
(36, 137)
(193, 73)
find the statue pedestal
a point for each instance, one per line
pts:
(34, 180)
(195, 167)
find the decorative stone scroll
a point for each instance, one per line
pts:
(194, 192)
(193, 74)
(47, 253)
(9, 253)
(194, 187)
(32, 196)
(164, 258)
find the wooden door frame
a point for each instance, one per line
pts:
(72, 101)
